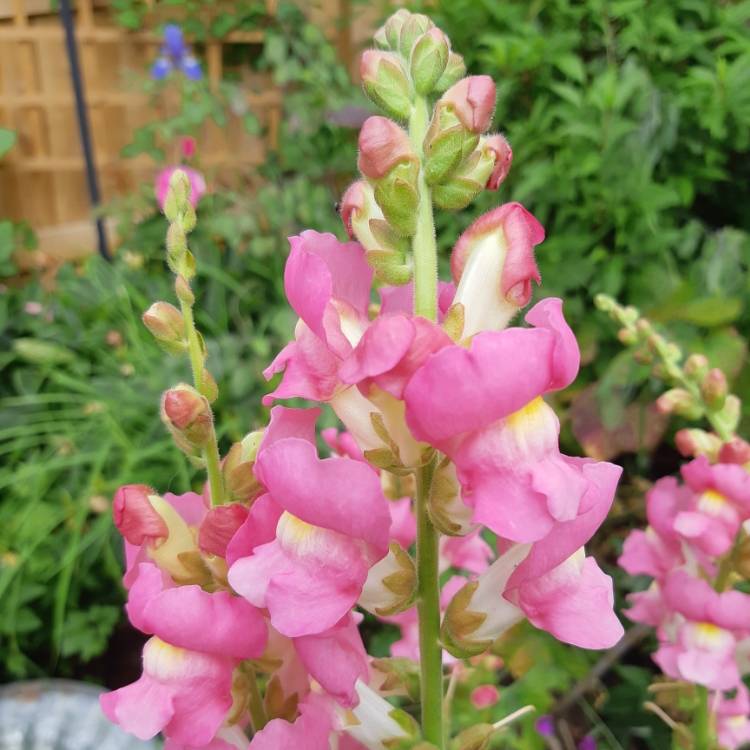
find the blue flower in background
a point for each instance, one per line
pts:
(175, 55)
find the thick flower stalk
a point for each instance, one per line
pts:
(693, 547)
(251, 589)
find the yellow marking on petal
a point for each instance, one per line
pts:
(527, 417)
(712, 502)
(301, 537)
(163, 660)
(707, 635)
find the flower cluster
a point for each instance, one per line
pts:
(449, 457)
(693, 546)
(175, 55)
(688, 548)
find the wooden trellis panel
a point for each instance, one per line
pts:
(42, 179)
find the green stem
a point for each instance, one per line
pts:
(211, 451)
(702, 739)
(424, 254)
(255, 702)
(428, 609)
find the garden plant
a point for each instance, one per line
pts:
(449, 457)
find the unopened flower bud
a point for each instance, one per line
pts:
(398, 197)
(714, 388)
(695, 442)
(429, 57)
(188, 417)
(454, 71)
(382, 145)
(500, 147)
(238, 469)
(166, 324)
(391, 584)
(484, 696)
(218, 527)
(473, 101)
(696, 367)
(380, 39)
(736, 451)
(466, 182)
(627, 336)
(679, 401)
(493, 265)
(385, 83)
(392, 27)
(413, 27)
(183, 291)
(386, 250)
(135, 516)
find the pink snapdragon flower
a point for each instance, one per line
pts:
(733, 718)
(482, 407)
(186, 694)
(312, 572)
(196, 179)
(706, 630)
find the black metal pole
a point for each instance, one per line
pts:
(66, 16)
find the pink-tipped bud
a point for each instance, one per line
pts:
(696, 366)
(219, 526)
(679, 401)
(382, 145)
(484, 696)
(714, 388)
(736, 451)
(134, 515)
(165, 322)
(188, 416)
(503, 159)
(693, 442)
(473, 101)
(352, 201)
(187, 147)
(496, 252)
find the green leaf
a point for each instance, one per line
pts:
(7, 140)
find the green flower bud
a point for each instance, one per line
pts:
(398, 197)
(428, 60)
(392, 28)
(466, 182)
(413, 27)
(385, 83)
(455, 70)
(166, 324)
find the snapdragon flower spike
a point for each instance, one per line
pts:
(483, 408)
(493, 266)
(313, 571)
(702, 647)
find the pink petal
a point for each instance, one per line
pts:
(142, 708)
(575, 606)
(259, 528)
(311, 730)
(336, 659)
(191, 618)
(320, 491)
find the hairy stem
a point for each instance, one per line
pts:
(211, 451)
(424, 254)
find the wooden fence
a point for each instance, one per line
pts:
(42, 179)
